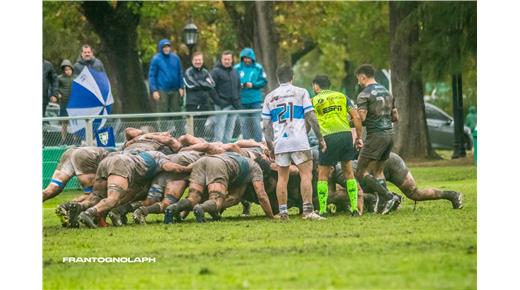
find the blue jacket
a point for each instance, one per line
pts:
(254, 74)
(165, 70)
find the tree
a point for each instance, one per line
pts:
(116, 24)
(411, 133)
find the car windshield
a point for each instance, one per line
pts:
(436, 114)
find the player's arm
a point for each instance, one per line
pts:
(354, 116)
(200, 147)
(131, 133)
(174, 167)
(268, 133)
(248, 143)
(310, 117)
(263, 199)
(188, 140)
(231, 147)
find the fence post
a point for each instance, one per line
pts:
(89, 134)
(189, 124)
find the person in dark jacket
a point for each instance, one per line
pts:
(252, 79)
(88, 59)
(50, 85)
(199, 88)
(64, 89)
(227, 97)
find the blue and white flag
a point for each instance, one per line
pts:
(90, 95)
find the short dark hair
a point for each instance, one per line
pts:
(284, 73)
(322, 81)
(86, 46)
(366, 69)
(226, 52)
(196, 53)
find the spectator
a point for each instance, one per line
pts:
(471, 118)
(199, 87)
(227, 97)
(88, 59)
(252, 80)
(50, 85)
(165, 80)
(64, 89)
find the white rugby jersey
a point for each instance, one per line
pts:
(286, 107)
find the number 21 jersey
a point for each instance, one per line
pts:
(286, 107)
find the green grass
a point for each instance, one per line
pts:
(434, 247)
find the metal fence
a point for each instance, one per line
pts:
(199, 124)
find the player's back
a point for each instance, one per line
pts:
(286, 107)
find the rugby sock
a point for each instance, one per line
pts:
(307, 208)
(382, 181)
(210, 206)
(154, 208)
(323, 192)
(283, 209)
(352, 194)
(184, 205)
(374, 185)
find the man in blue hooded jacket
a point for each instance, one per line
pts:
(252, 80)
(165, 79)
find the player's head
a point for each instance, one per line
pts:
(265, 166)
(320, 82)
(284, 73)
(365, 73)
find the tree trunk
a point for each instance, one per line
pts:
(411, 139)
(267, 38)
(242, 22)
(458, 116)
(116, 25)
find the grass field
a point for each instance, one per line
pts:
(433, 247)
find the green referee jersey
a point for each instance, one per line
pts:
(331, 110)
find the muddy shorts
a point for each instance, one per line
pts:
(377, 146)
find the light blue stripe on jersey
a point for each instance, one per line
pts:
(297, 114)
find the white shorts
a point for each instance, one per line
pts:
(298, 157)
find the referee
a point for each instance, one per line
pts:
(332, 110)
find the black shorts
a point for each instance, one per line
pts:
(339, 148)
(377, 146)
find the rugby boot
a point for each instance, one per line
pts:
(198, 211)
(397, 204)
(355, 214)
(284, 216)
(115, 217)
(62, 213)
(389, 204)
(87, 219)
(246, 208)
(175, 213)
(139, 217)
(73, 213)
(168, 216)
(312, 216)
(331, 208)
(456, 199)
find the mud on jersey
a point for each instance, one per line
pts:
(378, 102)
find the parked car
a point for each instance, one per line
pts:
(442, 130)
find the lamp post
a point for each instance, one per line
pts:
(190, 34)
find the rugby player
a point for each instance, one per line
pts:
(396, 172)
(285, 113)
(332, 110)
(219, 175)
(376, 108)
(81, 162)
(122, 171)
(167, 187)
